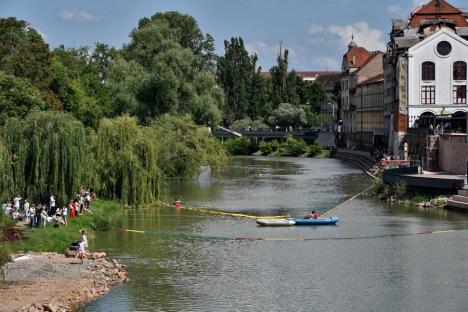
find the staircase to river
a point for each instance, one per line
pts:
(459, 201)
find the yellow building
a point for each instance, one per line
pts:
(369, 100)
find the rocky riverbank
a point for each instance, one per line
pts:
(52, 282)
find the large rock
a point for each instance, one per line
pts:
(51, 307)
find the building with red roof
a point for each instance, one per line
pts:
(425, 74)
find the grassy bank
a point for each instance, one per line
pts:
(58, 239)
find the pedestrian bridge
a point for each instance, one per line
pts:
(265, 134)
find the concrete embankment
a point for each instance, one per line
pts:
(362, 160)
(52, 282)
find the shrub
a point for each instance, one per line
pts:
(100, 223)
(315, 150)
(295, 147)
(269, 147)
(400, 189)
(238, 146)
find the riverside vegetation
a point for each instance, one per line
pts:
(125, 120)
(289, 147)
(400, 193)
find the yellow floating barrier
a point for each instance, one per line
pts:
(221, 213)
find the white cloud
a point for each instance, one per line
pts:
(316, 29)
(339, 36)
(364, 35)
(77, 16)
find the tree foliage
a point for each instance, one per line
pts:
(126, 163)
(48, 153)
(18, 97)
(23, 52)
(287, 115)
(187, 147)
(173, 56)
(6, 180)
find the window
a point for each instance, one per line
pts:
(444, 48)
(459, 71)
(428, 95)
(459, 94)
(428, 71)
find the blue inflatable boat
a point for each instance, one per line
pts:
(329, 221)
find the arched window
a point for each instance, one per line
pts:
(428, 71)
(459, 70)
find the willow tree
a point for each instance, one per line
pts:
(126, 161)
(187, 147)
(47, 149)
(6, 180)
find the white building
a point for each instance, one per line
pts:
(437, 78)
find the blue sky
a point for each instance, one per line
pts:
(315, 31)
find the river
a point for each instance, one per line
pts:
(370, 261)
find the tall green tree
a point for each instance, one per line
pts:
(126, 162)
(279, 74)
(77, 82)
(169, 48)
(288, 115)
(23, 52)
(6, 182)
(185, 147)
(18, 97)
(235, 73)
(316, 97)
(48, 153)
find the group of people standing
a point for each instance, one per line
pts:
(49, 212)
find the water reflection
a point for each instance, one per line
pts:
(187, 261)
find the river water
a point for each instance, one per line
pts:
(370, 261)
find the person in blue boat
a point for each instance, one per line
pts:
(312, 215)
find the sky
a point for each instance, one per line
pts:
(316, 32)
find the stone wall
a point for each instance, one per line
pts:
(453, 153)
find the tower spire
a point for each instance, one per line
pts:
(352, 44)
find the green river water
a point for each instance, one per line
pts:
(370, 261)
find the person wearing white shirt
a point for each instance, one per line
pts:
(16, 202)
(64, 215)
(26, 210)
(52, 204)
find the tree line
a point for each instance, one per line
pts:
(124, 119)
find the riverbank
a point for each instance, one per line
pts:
(52, 282)
(52, 239)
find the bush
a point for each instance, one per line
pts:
(269, 147)
(295, 147)
(100, 223)
(315, 150)
(381, 190)
(238, 146)
(400, 189)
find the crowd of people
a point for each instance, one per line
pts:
(49, 212)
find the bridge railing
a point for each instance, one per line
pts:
(266, 134)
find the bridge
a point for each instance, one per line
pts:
(265, 134)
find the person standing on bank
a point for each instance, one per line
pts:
(52, 205)
(65, 215)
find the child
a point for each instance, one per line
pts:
(81, 250)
